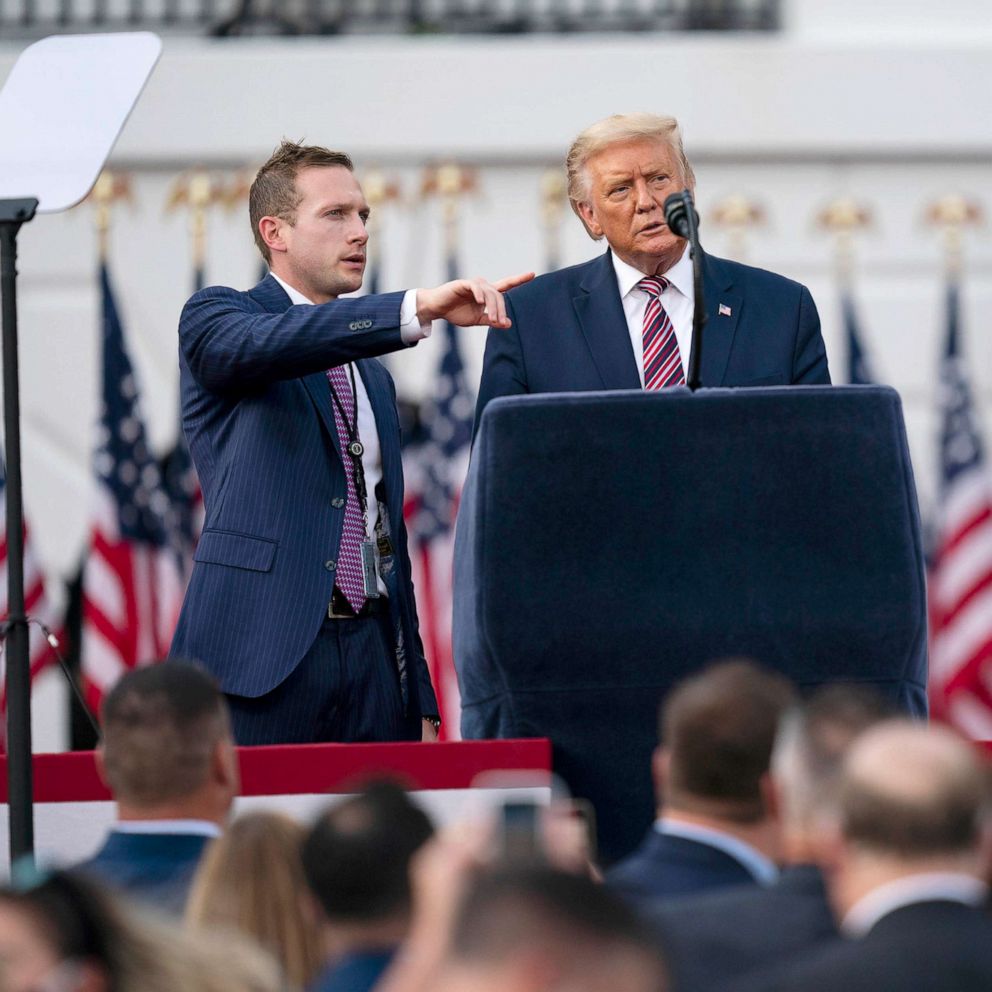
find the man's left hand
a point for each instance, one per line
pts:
(430, 732)
(468, 302)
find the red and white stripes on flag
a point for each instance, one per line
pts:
(38, 607)
(132, 579)
(960, 586)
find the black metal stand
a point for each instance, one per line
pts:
(20, 782)
(699, 305)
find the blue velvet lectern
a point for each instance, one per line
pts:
(610, 543)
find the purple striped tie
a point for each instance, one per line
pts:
(349, 577)
(662, 361)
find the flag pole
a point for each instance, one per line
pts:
(20, 780)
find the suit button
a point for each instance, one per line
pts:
(337, 502)
(330, 565)
(353, 326)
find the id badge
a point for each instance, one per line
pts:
(370, 577)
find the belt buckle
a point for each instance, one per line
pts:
(333, 614)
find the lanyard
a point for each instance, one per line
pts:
(354, 448)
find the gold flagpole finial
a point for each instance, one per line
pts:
(737, 213)
(952, 213)
(843, 218)
(553, 201)
(449, 182)
(379, 190)
(197, 190)
(234, 193)
(110, 189)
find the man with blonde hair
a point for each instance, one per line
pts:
(624, 320)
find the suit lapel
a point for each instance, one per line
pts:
(720, 328)
(272, 297)
(604, 326)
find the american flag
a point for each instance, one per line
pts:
(960, 588)
(36, 603)
(132, 589)
(859, 370)
(435, 477)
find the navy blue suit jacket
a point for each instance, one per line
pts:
(258, 415)
(936, 946)
(717, 937)
(358, 971)
(154, 868)
(570, 334)
(666, 867)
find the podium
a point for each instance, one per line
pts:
(609, 544)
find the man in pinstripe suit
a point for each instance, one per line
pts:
(301, 601)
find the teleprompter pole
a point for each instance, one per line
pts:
(20, 785)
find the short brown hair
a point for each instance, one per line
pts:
(273, 192)
(160, 726)
(719, 727)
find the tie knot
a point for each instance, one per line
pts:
(654, 285)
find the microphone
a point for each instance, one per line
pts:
(677, 207)
(683, 221)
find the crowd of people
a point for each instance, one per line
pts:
(816, 844)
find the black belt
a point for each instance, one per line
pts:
(340, 609)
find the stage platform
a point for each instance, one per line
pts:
(73, 808)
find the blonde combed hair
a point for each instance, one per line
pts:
(614, 130)
(250, 881)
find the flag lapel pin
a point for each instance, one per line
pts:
(724, 310)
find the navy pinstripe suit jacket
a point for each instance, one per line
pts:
(257, 414)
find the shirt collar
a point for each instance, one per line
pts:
(921, 887)
(762, 868)
(679, 275)
(295, 296)
(204, 828)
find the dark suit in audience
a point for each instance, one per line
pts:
(716, 937)
(937, 946)
(715, 828)
(355, 972)
(664, 867)
(157, 868)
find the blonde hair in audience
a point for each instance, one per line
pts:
(251, 880)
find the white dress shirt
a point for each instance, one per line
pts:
(922, 887)
(763, 869)
(195, 828)
(411, 331)
(678, 300)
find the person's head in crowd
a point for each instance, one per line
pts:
(717, 729)
(64, 933)
(356, 860)
(537, 929)
(250, 880)
(166, 750)
(912, 800)
(620, 171)
(809, 750)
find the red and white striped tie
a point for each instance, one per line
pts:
(662, 361)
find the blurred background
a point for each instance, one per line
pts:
(847, 145)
